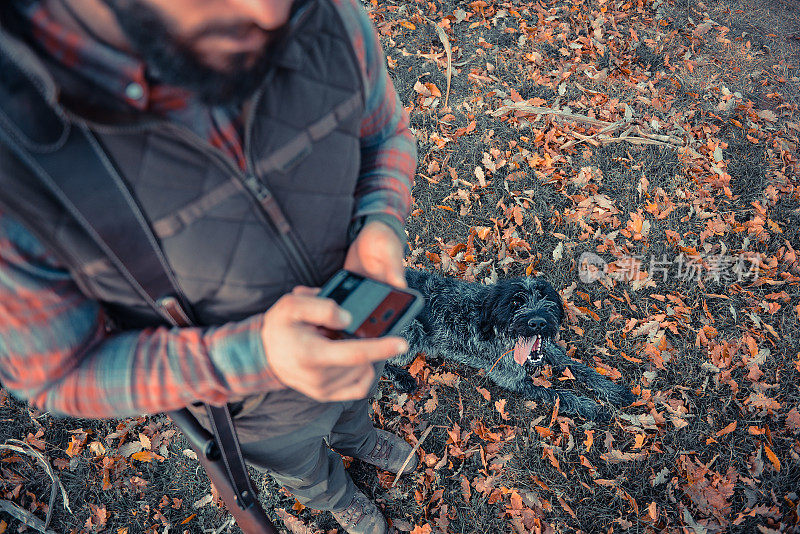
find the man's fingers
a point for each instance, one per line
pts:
(304, 291)
(397, 278)
(354, 352)
(347, 383)
(317, 311)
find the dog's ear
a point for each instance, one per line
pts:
(496, 311)
(551, 294)
(487, 315)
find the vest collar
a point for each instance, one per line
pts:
(28, 97)
(26, 81)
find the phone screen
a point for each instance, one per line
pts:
(375, 307)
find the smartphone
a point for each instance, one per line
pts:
(377, 309)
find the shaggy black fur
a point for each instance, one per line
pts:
(479, 325)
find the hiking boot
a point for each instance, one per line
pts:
(389, 453)
(361, 516)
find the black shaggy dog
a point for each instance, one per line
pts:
(507, 329)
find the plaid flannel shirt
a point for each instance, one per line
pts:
(54, 349)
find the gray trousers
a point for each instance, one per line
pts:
(303, 463)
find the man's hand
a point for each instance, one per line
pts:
(306, 361)
(377, 253)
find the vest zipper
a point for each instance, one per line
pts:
(294, 249)
(287, 241)
(290, 245)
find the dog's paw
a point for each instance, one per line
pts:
(404, 382)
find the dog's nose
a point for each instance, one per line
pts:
(537, 323)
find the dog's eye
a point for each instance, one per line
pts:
(517, 301)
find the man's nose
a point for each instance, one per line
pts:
(268, 14)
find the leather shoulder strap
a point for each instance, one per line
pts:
(93, 192)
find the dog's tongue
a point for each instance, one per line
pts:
(522, 349)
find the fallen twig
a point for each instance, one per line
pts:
(641, 138)
(635, 140)
(411, 454)
(536, 110)
(446, 43)
(658, 137)
(229, 522)
(582, 138)
(24, 448)
(24, 516)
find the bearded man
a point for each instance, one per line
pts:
(260, 146)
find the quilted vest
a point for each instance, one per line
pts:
(235, 240)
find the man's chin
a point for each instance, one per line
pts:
(216, 78)
(227, 91)
(228, 85)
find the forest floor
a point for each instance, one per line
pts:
(660, 136)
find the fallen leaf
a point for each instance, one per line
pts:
(127, 449)
(147, 456)
(589, 440)
(793, 420)
(772, 457)
(558, 251)
(479, 174)
(98, 518)
(433, 90)
(482, 231)
(727, 430)
(417, 365)
(466, 491)
(446, 379)
(76, 443)
(431, 404)
(500, 405)
(616, 456)
(295, 525)
(97, 448)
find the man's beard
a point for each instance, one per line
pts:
(174, 62)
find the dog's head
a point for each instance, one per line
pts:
(527, 311)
